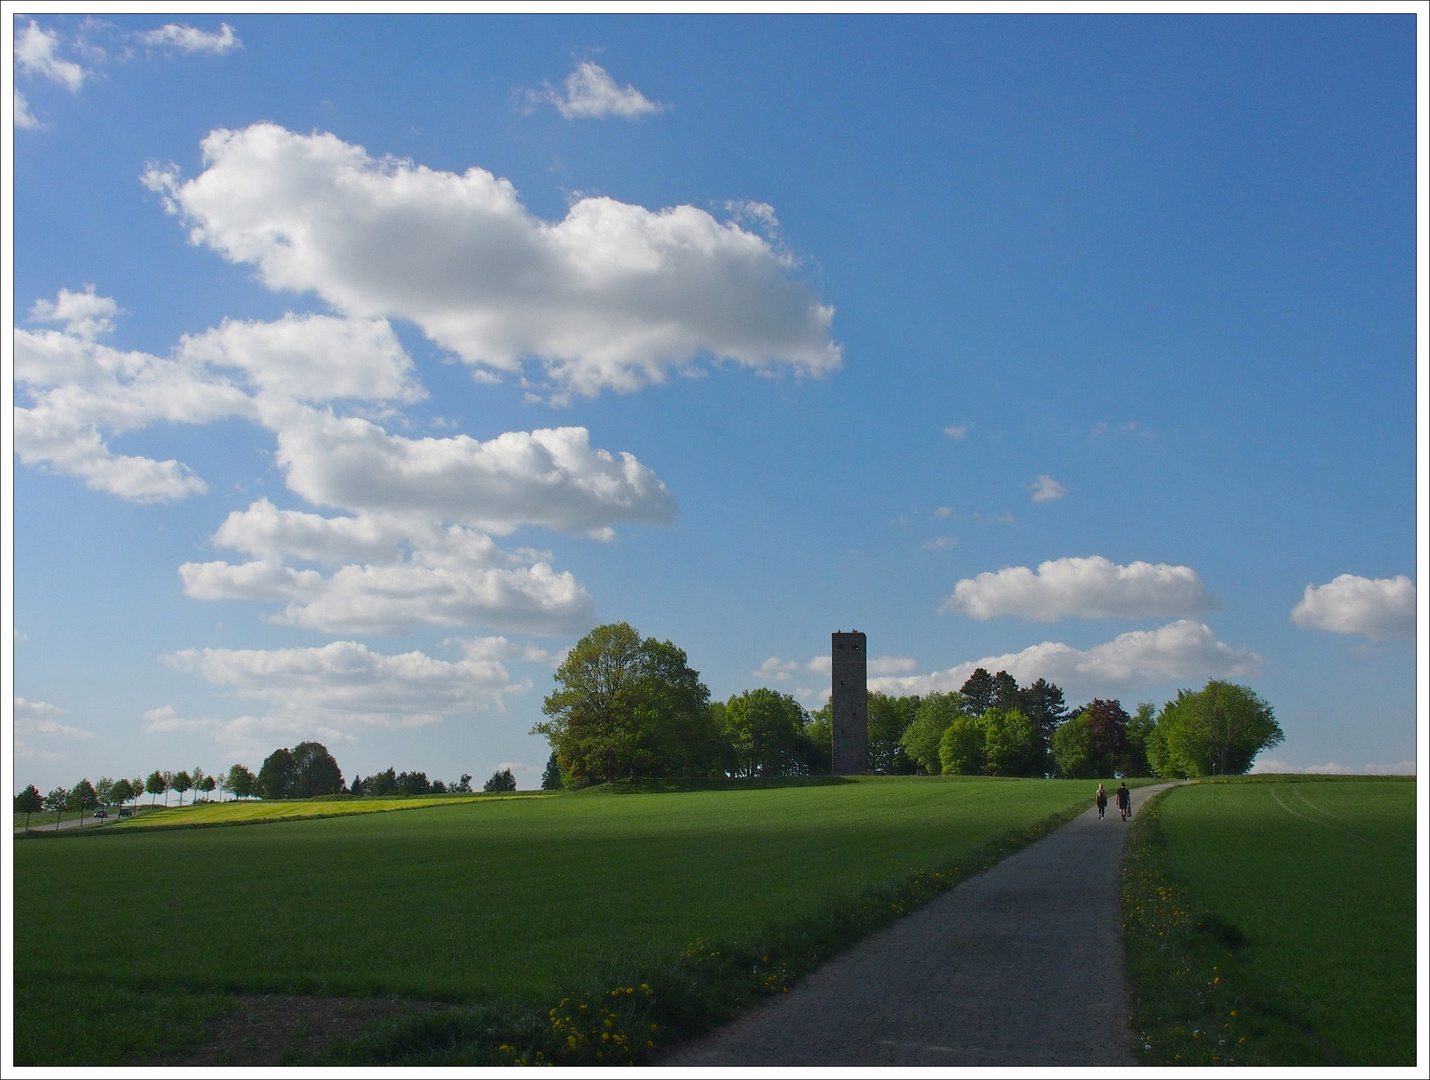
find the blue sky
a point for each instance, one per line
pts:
(363, 364)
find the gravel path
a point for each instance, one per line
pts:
(1021, 965)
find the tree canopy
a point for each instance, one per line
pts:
(1217, 730)
(627, 706)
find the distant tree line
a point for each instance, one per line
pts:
(628, 707)
(304, 771)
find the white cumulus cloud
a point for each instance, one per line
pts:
(37, 53)
(1379, 608)
(415, 547)
(314, 358)
(21, 112)
(612, 297)
(551, 477)
(346, 687)
(1182, 651)
(1084, 588)
(193, 40)
(591, 94)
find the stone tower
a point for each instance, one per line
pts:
(849, 752)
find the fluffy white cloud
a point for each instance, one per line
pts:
(192, 40)
(85, 315)
(773, 669)
(37, 53)
(956, 431)
(550, 477)
(315, 358)
(613, 296)
(82, 391)
(344, 686)
(368, 599)
(21, 112)
(1379, 608)
(591, 93)
(1085, 588)
(1183, 651)
(394, 573)
(1046, 489)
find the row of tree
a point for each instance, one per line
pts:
(627, 706)
(305, 771)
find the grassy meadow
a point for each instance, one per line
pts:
(522, 901)
(1271, 921)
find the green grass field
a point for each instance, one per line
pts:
(519, 900)
(1298, 912)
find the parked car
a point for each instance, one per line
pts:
(101, 813)
(125, 811)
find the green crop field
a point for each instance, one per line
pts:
(1293, 903)
(519, 900)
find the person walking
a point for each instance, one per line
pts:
(1101, 801)
(1124, 801)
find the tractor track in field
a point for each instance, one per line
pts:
(1018, 966)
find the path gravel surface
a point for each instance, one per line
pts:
(1021, 965)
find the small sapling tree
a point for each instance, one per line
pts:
(58, 800)
(121, 792)
(181, 783)
(29, 802)
(208, 785)
(83, 799)
(156, 785)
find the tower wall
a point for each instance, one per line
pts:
(849, 672)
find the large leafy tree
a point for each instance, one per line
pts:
(29, 802)
(819, 740)
(242, 782)
(1012, 744)
(888, 719)
(1217, 730)
(933, 716)
(627, 706)
(277, 774)
(766, 730)
(960, 750)
(1072, 749)
(315, 771)
(1043, 703)
(978, 691)
(1140, 726)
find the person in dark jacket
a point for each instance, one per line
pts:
(1101, 801)
(1124, 801)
